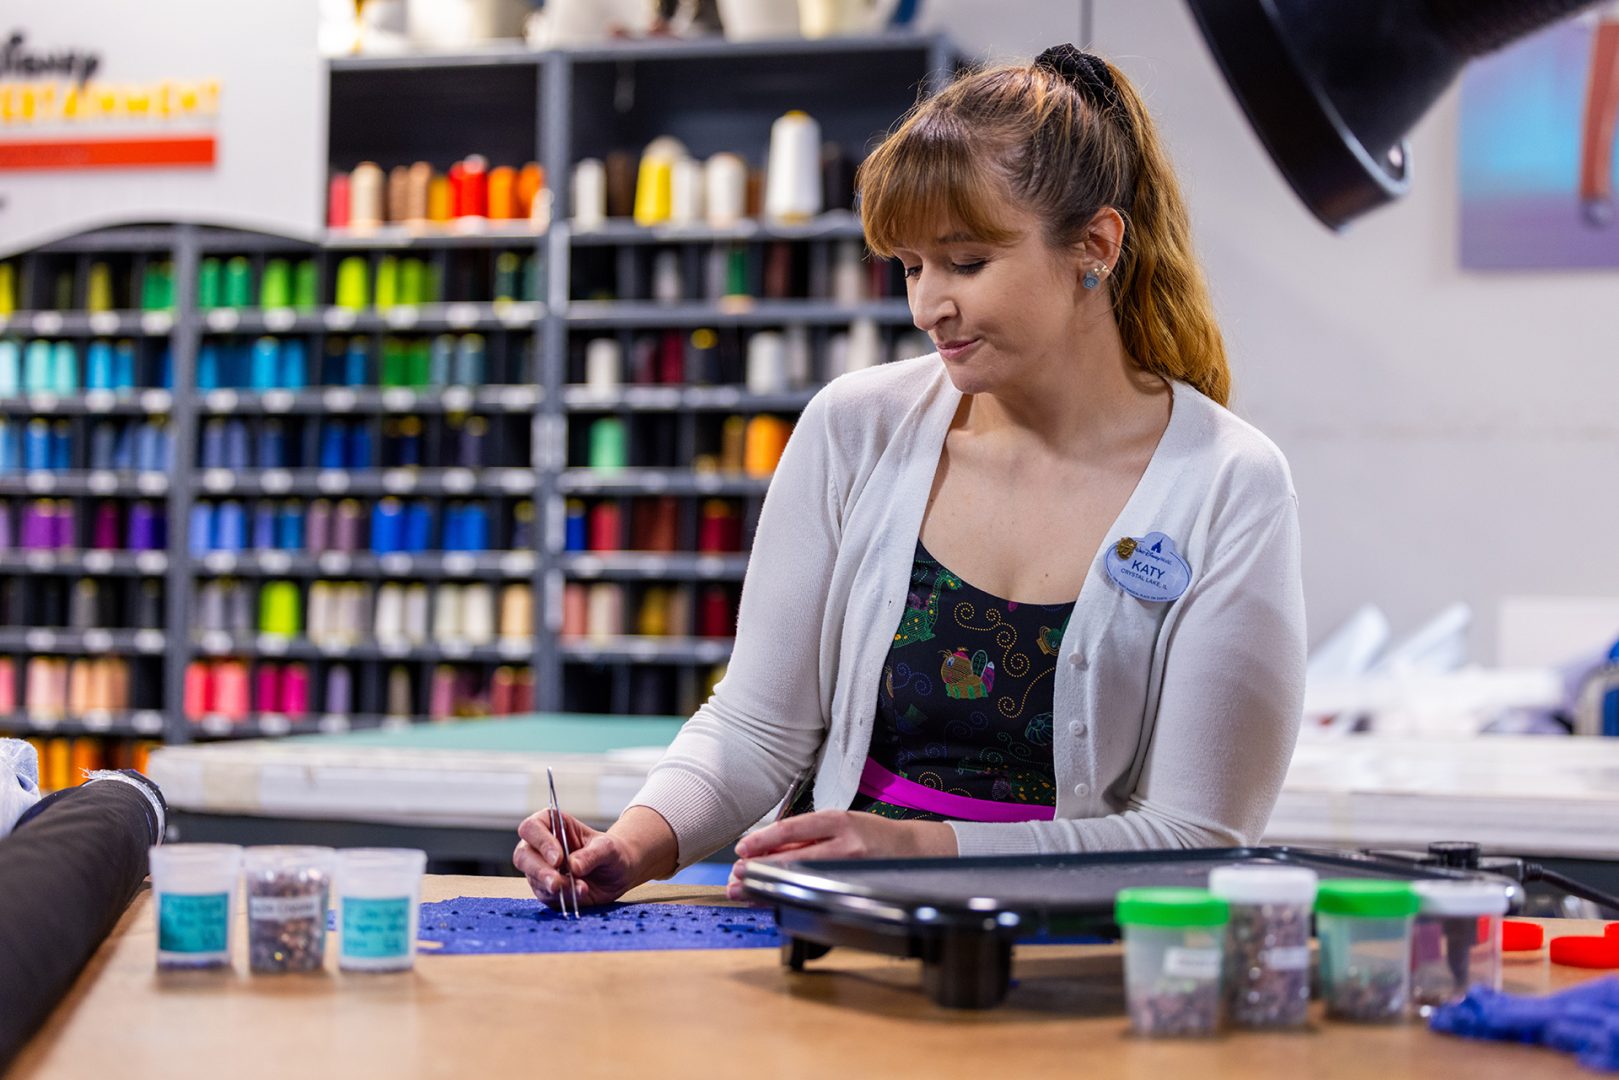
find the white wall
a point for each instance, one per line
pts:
(1453, 436)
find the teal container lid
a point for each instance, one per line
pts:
(1369, 899)
(1169, 907)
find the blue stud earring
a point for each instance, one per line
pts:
(1092, 278)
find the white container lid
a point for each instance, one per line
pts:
(1461, 897)
(1263, 884)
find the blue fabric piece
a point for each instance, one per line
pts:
(1583, 1020)
(470, 925)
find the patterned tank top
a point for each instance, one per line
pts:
(965, 704)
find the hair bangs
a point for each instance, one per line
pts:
(930, 178)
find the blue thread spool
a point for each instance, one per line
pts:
(103, 445)
(355, 363)
(333, 444)
(418, 531)
(159, 448)
(473, 439)
(289, 527)
(65, 368)
(36, 449)
(123, 366)
(265, 365)
(62, 446)
(454, 527)
(523, 526)
(360, 449)
(208, 367)
(36, 376)
(387, 526)
(263, 527)
(98, 367)
(230, 527)
(272, 446)
(441, 364)
(213, 444)
(165, 367)
(575, 529)
(10, 446)
(294, 373)
(10, 368)
(475, 528)
(237, 454)
(126, 446)
(201, 539)
(471, 362)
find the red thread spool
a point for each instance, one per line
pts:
(198, 690)
(672, 358)
(715, 618)
(606, 527)
(230, 690)
(719, 530)
(295, 690)
(337, 202)
(469, 188)
(267, 689)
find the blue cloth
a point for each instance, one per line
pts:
(470, 925)
(1583, 1020)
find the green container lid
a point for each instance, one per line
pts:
(1367, 898)
(1170, 907)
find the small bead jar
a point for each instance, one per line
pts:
(287, 893)
(1364, 927)
(1267, 944)
(1456, 942)
(1172, 959)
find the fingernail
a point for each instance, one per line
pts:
(550, 854)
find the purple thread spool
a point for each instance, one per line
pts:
(33, 535)
(339, 690)
(6, 532)
(318, 527)
(346, 527)
(145, 528)
(65, 525)
(104, 536)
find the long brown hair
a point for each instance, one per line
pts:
(1022, 131)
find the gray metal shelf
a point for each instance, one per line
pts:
(277, 725)
(138, 723)
(650, 650)
(687, 398)
(657, 566)
(214, 643)
(339, 482)
(402, 238)
(88, 323)
(515, 565)
(404, 319)
(90, 403)
(631, 314)
(368, 399)
(85, 482)
(81, 642)
(95, 563)
(660, 482)
(834, 225)
(654, 49)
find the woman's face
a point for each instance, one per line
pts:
(996, 312)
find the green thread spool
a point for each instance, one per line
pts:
(65, 368)
(419, 364)
(37, 376)
(98, 291)
(238, 282)
(209, 276)
(508, 270)
(394, 363)
(412, 282)
(736, 273)
(351, 283)
(157, 287)
(275, 291)
(280, 609)
(64, 291)
(387, 289)
(533, 278)
(305, 286)
(432, 284)
(609, 444)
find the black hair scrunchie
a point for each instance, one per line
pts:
(1087, 73)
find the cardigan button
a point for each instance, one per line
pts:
(1082, 790)
(1077, 659)
(1077, 728)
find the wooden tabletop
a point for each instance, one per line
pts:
(674, 1014)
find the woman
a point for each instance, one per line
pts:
(909, 628)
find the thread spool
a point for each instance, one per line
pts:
(321, 614)
(725, 190)
(98, 288)
(767, 363)
(609, 445)
(8, 686)
(353, 612)
(197, 690)
(651, 620)
(503, 194)
(267, 689)
(389, 626)
(440, 200)
(157, 286)
(477, 614)
(605, 616)
(275, 289)
(736, 275)
(289, 527)
(398, 193)
(305, 286)
(418, 180)
(702, 357)
(441, 694)
(575, 531)
(575, 610)
(339, 690)
(37, 363)
(604, 359)
(418, 528)
(78, 687)
(715, 618)
(523, 535)
(293, 373)
(606, 527)
(238, 282)
(279, 609)
(416, 622)
(339, 198)
(667, 284)
(797, 363)
(621, 168)
(865, 345)
(644, 361)
(686, 182)
(387, 526)
(230, 689)
(400, 697)
(295, 691)
(516, 613)
(471, 361)
(766, 439)
(10, 368)
(365, 197)
(589, 194)
(469, 187)
(353, 292)
(346, 526)
(719, 529)
(653, 191)
(531, 198)
(837, 178)
(447, 614)
(264, 527)
(8, 289)
(503, 692)
(733, 443)
(849, 273)
(386, 293)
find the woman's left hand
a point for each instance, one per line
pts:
(840, 834)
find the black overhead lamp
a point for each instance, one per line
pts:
(1333, 86)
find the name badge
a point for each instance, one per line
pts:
(1149, 568)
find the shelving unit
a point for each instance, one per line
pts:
(512, 106)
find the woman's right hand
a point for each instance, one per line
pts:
(600, 864)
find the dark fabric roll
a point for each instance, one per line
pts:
(67, 872)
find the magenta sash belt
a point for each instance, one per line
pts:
(878, 783)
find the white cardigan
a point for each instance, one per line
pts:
(1173, 722)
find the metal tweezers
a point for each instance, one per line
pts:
(561, 833)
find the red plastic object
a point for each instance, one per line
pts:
(1521, 936)
(337, 202)
(1586, 952)
(1612, 931)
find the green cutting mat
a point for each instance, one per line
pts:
(561, 733)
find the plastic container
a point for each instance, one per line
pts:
(194, 887)
(1456, 942)
(1173, 948)
(1267, 943)
(1364, 927)
(287, 892)
(379, 892)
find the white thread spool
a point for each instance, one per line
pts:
(793, 176)
(605, 618)
(685, 192)
(865, 345)
(604, 360)
(849, 275)
(447, 614)
(389, 626)
(517, 613)
(321, 615)
(837, 355)
(798, 357)
(725, 179)
(668, 287)
(767, 363)
(478, 614)
(365, 196)
(416, 606)
(589, 194)
(353, 613)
